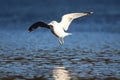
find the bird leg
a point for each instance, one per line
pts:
(61, 41)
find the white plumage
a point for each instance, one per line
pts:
(58, 29)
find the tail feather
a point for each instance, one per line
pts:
(67, 34)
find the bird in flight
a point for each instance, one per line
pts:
(59, 28)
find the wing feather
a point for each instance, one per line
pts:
(38, 24)
(68, 18)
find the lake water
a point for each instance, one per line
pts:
(92, 52)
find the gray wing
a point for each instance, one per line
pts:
(68, 18)
(38, 24)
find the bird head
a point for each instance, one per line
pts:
(53, 23)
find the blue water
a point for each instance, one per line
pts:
(93, 50)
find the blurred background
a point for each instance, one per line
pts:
(22, 13)
(91, 53)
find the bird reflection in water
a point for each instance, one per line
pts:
(60, 73)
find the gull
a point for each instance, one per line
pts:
(59, 28)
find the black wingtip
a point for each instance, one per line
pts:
(88, 13)
(30, 29)
(38, 24)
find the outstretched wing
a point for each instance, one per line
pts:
(68, 18)
(38, 24)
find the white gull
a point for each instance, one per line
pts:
(58, 29)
